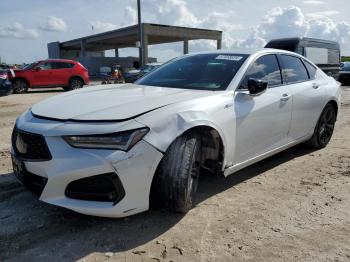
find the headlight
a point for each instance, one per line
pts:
(118, 141)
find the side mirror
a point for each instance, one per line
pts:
(37, 69)
(256, 87)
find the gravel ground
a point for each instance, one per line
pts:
(294, 206)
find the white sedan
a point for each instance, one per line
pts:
(115, 150)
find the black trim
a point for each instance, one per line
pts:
(43, 154)
(102, 188)
(95, 121)
(283, 69)
(251, 65)
(32, 182)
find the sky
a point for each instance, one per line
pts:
(27, 26)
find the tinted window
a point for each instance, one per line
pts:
(62, 65)
(46, 66)
(202, 71)
(265, 68)
(311, 69)
(346, 67)
(294, 69)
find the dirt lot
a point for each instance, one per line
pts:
(294, 206)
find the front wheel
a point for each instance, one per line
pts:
(19, 86)
(177, 176)
(324, 128)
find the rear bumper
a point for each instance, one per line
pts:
(86, 79)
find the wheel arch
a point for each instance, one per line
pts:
(334, 103)
(213, 148)
(76, 76)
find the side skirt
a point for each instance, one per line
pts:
(232, 169)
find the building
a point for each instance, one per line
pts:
(90, 50)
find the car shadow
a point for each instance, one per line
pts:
(78, 235)
(210, 185)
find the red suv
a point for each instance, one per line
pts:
(68, 74)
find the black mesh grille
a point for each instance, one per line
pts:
(29, 146)
(104, 187)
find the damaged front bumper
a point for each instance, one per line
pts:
(96, 182)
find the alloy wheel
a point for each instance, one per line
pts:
(76, 84)
(326, 126)
(19, 86)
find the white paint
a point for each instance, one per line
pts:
(251, 128)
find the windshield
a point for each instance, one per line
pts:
(201, 71)
(29, 66)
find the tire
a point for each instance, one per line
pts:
(19, 86)
(324, 128)
(177, 176)
(75, 83)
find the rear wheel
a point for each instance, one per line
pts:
(177, 176)
(75, 83)
(324, 128)
(19, 86)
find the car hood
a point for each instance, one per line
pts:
(112, 103)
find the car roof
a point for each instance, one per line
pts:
(60, 60)
(247, 51)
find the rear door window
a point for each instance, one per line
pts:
(294, 69)
(265, 68)
(311, 69)
(63, 65)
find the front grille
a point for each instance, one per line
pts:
(29, 146)
(104, 187)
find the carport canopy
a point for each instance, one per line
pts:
(129, 36)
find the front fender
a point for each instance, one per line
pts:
(164, 131)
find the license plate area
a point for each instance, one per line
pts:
(32, 182)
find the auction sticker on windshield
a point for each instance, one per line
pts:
(229, 57)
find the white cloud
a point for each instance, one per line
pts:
(54, 24)
(283, 22)
(99, 26)
(322, 14)
(290, 22)
(130, 15)
(276, 23)
(17, 30)
(313, 2)
(174, 12)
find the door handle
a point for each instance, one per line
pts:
(315, 86)
(285, 97)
